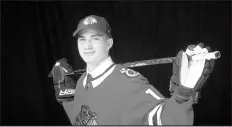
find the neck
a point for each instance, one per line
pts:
(91, 67)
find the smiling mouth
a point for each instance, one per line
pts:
(89, 53)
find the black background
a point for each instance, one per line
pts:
(36, 34)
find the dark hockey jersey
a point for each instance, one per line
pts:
(125, 97)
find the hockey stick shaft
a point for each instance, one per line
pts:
(140, 63)
(150, 62)
(213, 55)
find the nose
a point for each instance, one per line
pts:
(88, 44)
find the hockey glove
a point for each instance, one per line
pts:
(64, 82)
(190, 75)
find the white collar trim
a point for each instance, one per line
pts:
(99, 70)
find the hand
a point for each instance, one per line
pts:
(64, 84)
(59, 70)
(191, 70)
(190, 75)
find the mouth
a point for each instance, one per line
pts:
(89, 53)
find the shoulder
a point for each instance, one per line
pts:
(130, 75)
(137, 83)
(81, 78)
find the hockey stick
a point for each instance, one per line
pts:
(137, 64)
(150, 62)
(208, 56)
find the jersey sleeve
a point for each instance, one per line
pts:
(148, 102)
(172, 113)
(169, 112)
(68, 106)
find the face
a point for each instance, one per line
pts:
(93, 47)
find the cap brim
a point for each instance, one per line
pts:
(81, 31)
(75, 33)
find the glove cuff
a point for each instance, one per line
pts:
(183, 94)
(65, 90)
(63, 93)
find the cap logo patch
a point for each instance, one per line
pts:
(89, 20)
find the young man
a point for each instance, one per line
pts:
(111, 94)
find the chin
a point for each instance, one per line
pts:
(89, 60)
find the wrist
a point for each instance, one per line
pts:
(182, 94)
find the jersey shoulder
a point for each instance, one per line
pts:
(131, 75)
(81, 78)
(137, 83)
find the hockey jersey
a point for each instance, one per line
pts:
(122, 96)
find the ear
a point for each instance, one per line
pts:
(109, 43)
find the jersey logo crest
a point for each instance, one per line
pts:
(129, 72)
(89, 20)
(86, 117)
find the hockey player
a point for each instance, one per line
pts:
(111, 94)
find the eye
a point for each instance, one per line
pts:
(81, 39)
(96, 38)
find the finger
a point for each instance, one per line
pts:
(64, 69)
(57, 75)
(208, 48)
(196, 71)
(196, 65)
(62, 73)
(197, 50)
(209, 64)
(200, 51)
(205, 50)
(191, 47)
(190, 52)
(201, 45)
(200, 65)
(63, 60)
(184, 60)
(57, 64)
(184, 67)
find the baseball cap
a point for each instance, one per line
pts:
(94, 22)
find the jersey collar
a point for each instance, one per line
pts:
(99, 71)
(101, 68)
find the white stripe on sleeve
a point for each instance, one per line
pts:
(152, 113)
(158, 115)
